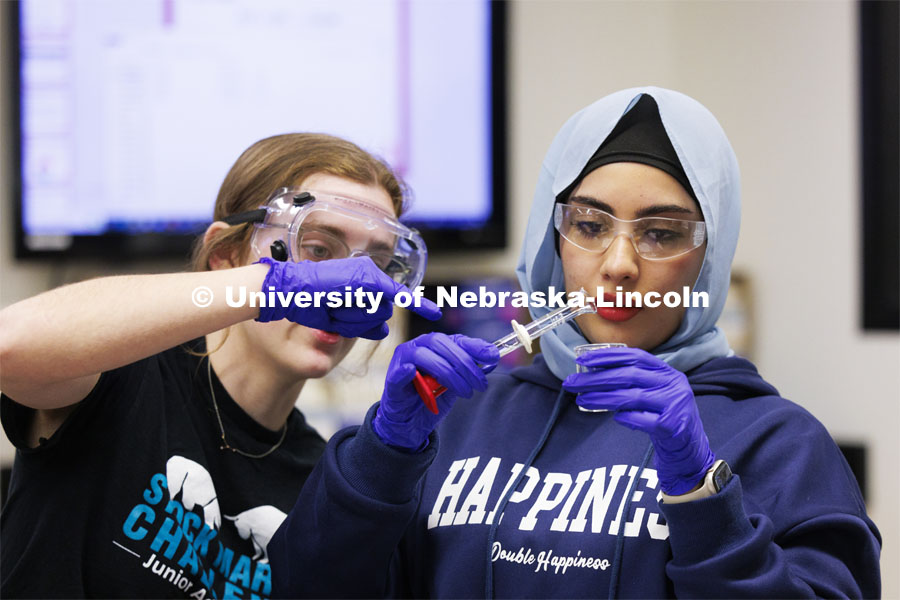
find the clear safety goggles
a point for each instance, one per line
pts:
(653, 238)
(299, 225)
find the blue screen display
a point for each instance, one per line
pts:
(132, 112)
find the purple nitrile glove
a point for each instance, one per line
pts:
(649, 395)
(335, 276)
(403, 420)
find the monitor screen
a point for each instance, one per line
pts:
(131, 113)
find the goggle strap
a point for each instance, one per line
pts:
(699, 235)
(249, 216)
(558, 216)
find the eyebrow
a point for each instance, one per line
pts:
(339, 233)
(648, 211)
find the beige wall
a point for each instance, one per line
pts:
(782, 79)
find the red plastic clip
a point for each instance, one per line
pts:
(429, 389)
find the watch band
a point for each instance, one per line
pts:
(715, 479)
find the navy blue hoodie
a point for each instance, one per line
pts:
(372, 521)
(582, 517)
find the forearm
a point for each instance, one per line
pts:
(350, 518)
(101, 324)
(718, 550)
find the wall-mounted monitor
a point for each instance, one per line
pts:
(129, 114)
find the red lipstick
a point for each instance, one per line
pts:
(327, 337)
(616, 313)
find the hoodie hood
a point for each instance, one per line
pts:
(731, 376)
(538, 373)
(711, 167)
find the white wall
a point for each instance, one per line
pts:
(782, 79)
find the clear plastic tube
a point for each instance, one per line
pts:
(508, 343)
(428, 387)
(523, 335)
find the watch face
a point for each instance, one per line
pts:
(721, 476)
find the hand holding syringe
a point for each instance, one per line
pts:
(522, 335)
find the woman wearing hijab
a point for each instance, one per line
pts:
(696, 480)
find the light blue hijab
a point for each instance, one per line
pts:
(711, 167)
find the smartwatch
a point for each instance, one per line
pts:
(716, 478)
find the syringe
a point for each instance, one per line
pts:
(522, 336)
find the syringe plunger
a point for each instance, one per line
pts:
(522, 335)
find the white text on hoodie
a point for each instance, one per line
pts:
(570, 501)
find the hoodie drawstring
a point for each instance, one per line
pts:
(620, 536)
(498, 514)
